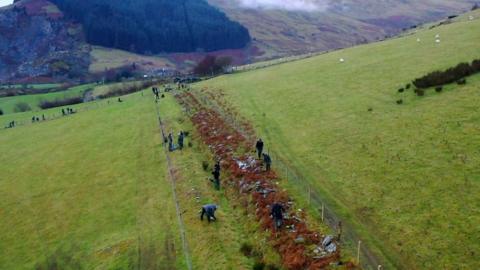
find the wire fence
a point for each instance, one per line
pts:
(186, 249)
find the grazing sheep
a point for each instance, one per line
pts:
(342, 60)
(418, 40)
(437, 41)
(437, 36)
(471, 18)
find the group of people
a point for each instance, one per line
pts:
(67, 111)
(267, 160)
(180, 141)
(11, 124)
(276, 212)
(37, 119)
(156, 92)
(277, 209)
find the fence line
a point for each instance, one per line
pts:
(186, 251)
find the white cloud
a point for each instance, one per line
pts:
(5, 2)
(293, 5)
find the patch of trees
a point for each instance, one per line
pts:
(60, 102)
(451, 75)
(212, 65)
(155, 26)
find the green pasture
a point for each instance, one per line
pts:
(92, 191)
(7, 104)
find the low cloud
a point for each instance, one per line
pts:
(292, 5)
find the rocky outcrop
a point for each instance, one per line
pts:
(36, 41)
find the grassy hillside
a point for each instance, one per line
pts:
(342, 24)
(7, 104)
(105, 58)
(103, 198)
(406, 176)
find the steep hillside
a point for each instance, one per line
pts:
(405, 178)
(279, 32)
(36, 41)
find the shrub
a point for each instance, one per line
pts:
(408, 86)
(272, 267)
(400, 101)
(205, 165)
(476, 65)
(401, 90)
(47, 104)
(420, 92)
(450, 75)
(1, 112)
(462, 81)
(212, 65)
(22, 107)
(439, 89)
(258, 266)
(246, 249)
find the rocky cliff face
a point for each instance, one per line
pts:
(36, 41)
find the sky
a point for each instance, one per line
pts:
(297, 5)
(5, 2)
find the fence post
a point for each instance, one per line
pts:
(358, 251)
(323, 212)
(309, 195)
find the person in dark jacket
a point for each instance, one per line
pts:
(181, 137)
(217, 166)
(268, 161)
(259, 147)
(171, 146)
(216, 178)
(209, 211)
(277, 214)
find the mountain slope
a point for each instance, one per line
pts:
(341, 24)
(35, 41)
(405, 178)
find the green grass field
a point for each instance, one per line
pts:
(7, 104)
(407, 177)
(104, 58)
(92, 191)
